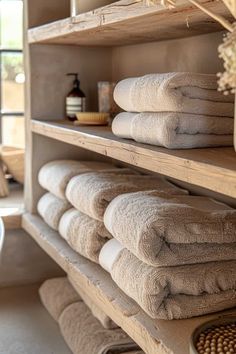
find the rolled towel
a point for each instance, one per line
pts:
(85, 335)
(171, 292)
(51, 208)
(174, 92)
(105, 321)
(174, 130)
(92, 192)
(55, 175)
(56, 294)
(173, 230)
(84, 234)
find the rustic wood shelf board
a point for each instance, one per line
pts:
(154, 336)
(130, 21)
(214, 169)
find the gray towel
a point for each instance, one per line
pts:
(174, 92)
(85, 335)
(171, 292)
(56, 294)
(84, 234)
(92, 192)
(174, 130)
(51, 208)
(172, 231)
(55, 175)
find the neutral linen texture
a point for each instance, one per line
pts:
(84, 333)
(153, 287)
(174, 92)
(92, 192)
(56, 294)
(105, 320)
(51, 208)
(168, 231)
(55, 175)
(174, 130)
(84, 234)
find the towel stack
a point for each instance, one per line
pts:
(174, 110)
(81, 328)
(175, 256)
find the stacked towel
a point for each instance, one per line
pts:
(171, 292)
(177, 111)
(51, 208)
(55, 175)
(92, 192)
(85, 235)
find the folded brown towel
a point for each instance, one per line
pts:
(55, 175)
(92, 192)
(173, 230)
(85, 335)
(84, 234)
(56, 294)
(51, 208)
(161, 291)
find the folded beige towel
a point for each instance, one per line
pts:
(84, 234)
(174, 130)
(174, 92)
(4, 190)
(92, 192)
(51, 208)
(172, 231)
(55, 175)
(56, 294)
(105, 321)
(85, 335)
(155, 289)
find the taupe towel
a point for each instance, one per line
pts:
(56, 294)
(172, 231)
(174, 92)
(105, 321)
(92, 192)
(84, 234)
(84, 334)
(174, 130)
(55, 175)
(171, 292)
(51, 208)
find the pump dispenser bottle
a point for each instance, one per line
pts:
(75, 100)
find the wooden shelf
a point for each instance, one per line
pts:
(214, 169)
(130, 21)
(154, 336)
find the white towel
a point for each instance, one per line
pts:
(174, 92)
(174, 130)
(91, 193)
(172, 292)
(173, 230)
(51, 208)
(55, 175)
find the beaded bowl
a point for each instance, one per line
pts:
(215, 336)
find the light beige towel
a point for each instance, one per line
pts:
(4, 190)
(174, 92)
(92, 192)
(84, 234)
(171, 231)
(105, 321)
(171, 292)
(55, 175)
(51, 208)
(85, 335)
(56, 294)
(174, 130)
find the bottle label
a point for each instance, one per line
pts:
(74, 105)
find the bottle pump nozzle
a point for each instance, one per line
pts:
(76, 80)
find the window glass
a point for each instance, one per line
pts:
(13, 131)
(11, 27)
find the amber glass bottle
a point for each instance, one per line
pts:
(75, 100)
